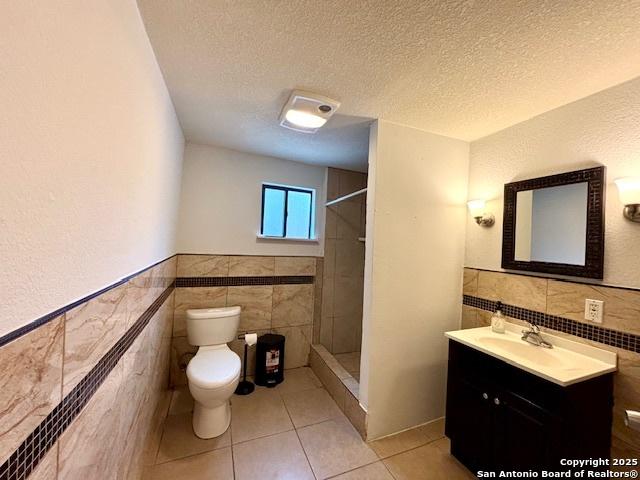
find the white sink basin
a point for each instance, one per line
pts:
(524, 351)
(566, 363)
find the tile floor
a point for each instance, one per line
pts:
(351, 363)
(296, 431)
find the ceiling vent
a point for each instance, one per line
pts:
(306, 112)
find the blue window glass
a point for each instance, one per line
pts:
(287, 212)
(273, 212)
(298, 214)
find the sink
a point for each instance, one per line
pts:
(568, 362)
(524, 350)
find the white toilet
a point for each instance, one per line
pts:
(214, 372)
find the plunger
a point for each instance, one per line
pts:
(245, 387)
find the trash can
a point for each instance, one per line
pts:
(269, 360)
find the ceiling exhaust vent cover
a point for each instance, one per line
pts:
(306, 112)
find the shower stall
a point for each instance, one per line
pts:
(343, 268)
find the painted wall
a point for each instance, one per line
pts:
(413, 273)
(603, 129)
(90, 153)
(221, 202)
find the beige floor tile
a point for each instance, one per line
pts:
(431, 461)
(350, 361)
(206, 466)
(257, 415)
(178, 439)
(297, 380)
(278, 457)
(181, 401)
(375, 471)
(311, 406)
(409, 439)
(334, 447)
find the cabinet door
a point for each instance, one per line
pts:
(526, 434)
(471, 429)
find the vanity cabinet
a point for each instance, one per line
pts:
(500, 417)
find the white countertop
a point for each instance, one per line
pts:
(568, 362)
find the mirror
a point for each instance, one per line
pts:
(555, 224)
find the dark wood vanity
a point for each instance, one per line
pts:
(500, 417)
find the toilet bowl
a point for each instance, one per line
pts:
(213, 373)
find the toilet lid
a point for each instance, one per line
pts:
(213, 369)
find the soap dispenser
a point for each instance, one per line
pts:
(497, 319)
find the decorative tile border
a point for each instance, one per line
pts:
(33, 449)
(242, 281)
(18, 332)
(596, 333)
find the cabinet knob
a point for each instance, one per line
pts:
(485, 396)
(496, 401)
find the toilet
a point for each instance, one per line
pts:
(214, 371)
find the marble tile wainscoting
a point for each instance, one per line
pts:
(276, 294)
(85, 391)
(558, 306)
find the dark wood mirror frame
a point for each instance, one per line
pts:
(594, 261)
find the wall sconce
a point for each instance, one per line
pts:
(629, 190)
(476, 208)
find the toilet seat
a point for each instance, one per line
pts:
(213, 368)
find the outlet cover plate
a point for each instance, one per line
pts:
(593, 310)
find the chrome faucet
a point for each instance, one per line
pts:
(533, 336)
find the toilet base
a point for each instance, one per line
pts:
(211, 422)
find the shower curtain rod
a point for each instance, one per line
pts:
(340, 199)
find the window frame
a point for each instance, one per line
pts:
(286, 189)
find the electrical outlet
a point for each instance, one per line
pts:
(593, 310)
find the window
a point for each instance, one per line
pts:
(287, 212)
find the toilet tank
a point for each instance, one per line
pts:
(212, 326)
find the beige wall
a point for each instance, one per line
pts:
(566, 299)
(343, 276)
(90, 153)
(38, 370)
(416, 214)
(599, 130)
(221, 202)
(283, 309)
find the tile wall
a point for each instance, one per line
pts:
(270, 302)
(86, 392)
(563, 304)
(343, 274)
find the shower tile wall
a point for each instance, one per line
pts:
(343, 269)
(565, 300)
(285, 309)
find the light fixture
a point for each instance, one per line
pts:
(629, 191)
(477, 210)
(305, 119)
(306, 112)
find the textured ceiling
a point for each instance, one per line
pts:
(459, 68)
